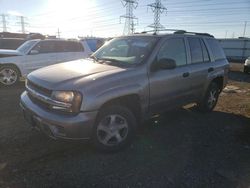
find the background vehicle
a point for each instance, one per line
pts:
(247, 65)
(127, 81)
(11, 43)
(92, 43)
(35, 54)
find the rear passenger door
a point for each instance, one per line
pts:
(170, 87)
(70, 50)
(199, 61)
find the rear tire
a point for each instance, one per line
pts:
(9, 75)
(114, 129)
(210, 100)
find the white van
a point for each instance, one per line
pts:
(35, 54)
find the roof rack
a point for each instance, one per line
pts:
(177, 31)
(195, 33)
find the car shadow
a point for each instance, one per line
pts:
(180, 148)
(239, 76)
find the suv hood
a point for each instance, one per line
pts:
(52, 76)
(8, 53)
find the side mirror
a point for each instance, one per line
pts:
(166, 64)
(32, 52)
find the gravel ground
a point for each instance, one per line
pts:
(181, 148)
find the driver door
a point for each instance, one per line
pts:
(42, 54)
(170, 87)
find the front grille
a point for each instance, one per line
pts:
(39, 89)
(38, 102)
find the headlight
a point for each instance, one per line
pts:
(247, 62)
(68, 101)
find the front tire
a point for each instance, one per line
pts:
(211, 97)
(114, 129)
(9, 75)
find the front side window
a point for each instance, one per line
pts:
(195, 50)
(174, 49)
(127, 50)
(45, 47)
(24, 48)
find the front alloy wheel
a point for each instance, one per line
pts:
(8, 75)
(114, 129)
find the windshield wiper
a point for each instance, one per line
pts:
(112, 61)
(94, 58)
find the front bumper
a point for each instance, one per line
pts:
(58, 125)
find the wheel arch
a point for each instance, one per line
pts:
(131, 101)
(219, 81)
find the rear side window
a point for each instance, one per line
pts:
(204, 52)
(174, 49)
(216, 49)
(195, 50)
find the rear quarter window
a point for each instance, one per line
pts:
(216, 49)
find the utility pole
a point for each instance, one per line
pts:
(129, 26)
(4, 23)
(226, 34)
(58, 33)
(245, 26)
(157, 8)
(233, 35)
(22, 23)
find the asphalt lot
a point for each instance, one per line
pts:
(181, 148)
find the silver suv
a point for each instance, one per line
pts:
(128, 80)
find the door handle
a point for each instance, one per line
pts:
(186, 74)
(211, 69)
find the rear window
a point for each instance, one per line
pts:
(216, 49)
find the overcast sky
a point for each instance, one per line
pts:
(222, 18)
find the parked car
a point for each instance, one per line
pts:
(93, 43)
(247, 65)
(35, 54)
(11, 43)
(127, 81)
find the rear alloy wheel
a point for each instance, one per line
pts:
(210, 99)
(114, 129)
(8, 75)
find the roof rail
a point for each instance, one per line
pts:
(153, 31)
(195, 33)
(177, 31)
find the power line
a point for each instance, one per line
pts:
(129, 26)
(157, 9)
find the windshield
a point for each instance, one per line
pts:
(132, 50)
(26, 46)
